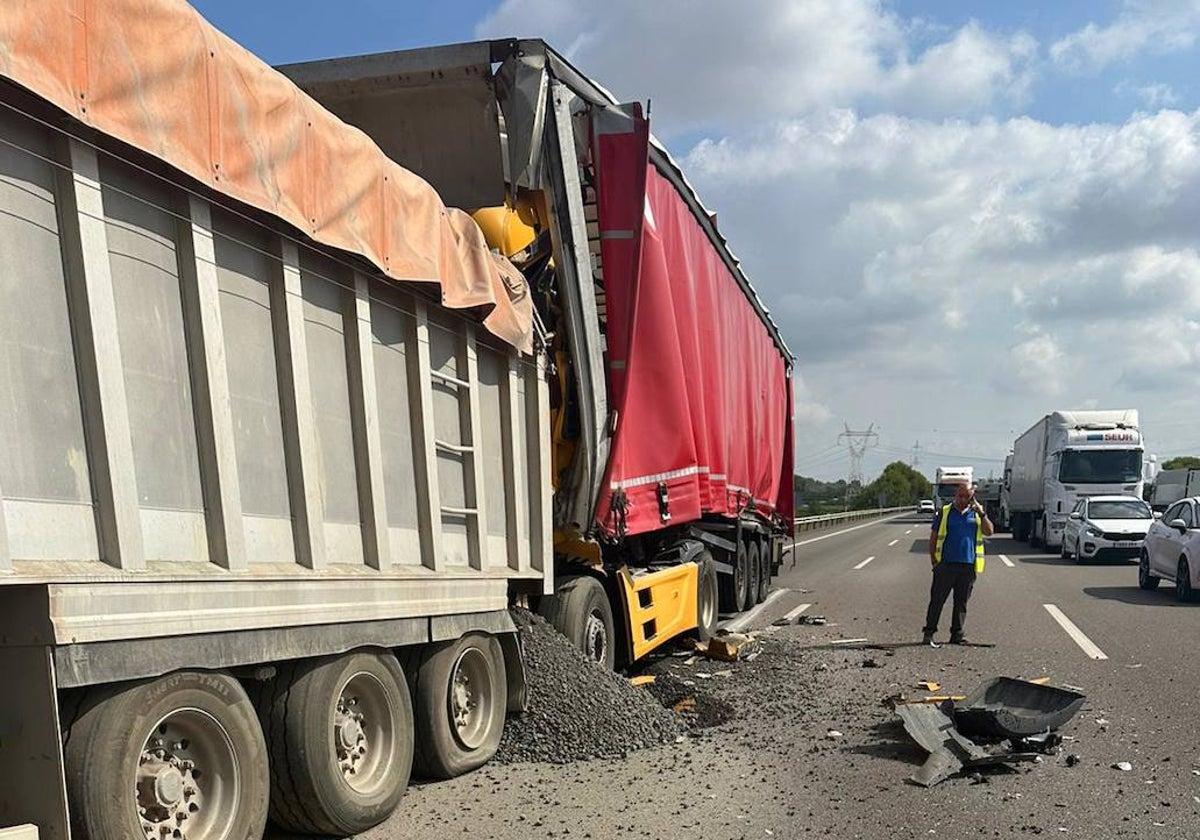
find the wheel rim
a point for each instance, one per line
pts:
(595, 637)
(364, 734)
(708, 600)
(188, 780)
(471, 698)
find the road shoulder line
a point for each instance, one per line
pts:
(1085, 644)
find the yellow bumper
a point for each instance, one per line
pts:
(660, 605)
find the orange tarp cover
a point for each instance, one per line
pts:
(156, 75)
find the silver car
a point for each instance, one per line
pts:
(1172, 550)
(1106, 528)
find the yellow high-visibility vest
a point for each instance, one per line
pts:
(941, 538)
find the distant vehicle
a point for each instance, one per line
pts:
(1067, 455)
(987, 493)
(1172, 485)
(1172, 550)
(926, 506)
(1106, 527)
(1004, 523)
(946, 483)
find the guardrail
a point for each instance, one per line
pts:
(811, 523)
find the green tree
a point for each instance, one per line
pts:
(1182, 462)
(898, 484)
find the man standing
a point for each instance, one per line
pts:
(956, 553)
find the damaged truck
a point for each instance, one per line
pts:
(283, 437)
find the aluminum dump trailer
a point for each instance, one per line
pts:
(270, 475)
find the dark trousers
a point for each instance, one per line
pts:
(958, 578)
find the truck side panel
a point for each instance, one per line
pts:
(186, 395)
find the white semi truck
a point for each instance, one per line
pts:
(1065, 455)
(947, 481)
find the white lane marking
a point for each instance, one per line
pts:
(892, 543)
(744, 619)
(1085, 644)
(909, 531)
(794, 614)
(865, 562)
(845, 531)
(1004, 559)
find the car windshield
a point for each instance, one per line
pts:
(1124, 509)
(1100, 466)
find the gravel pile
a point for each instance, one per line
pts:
(578, 711)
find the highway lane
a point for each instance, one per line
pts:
(1144, 690)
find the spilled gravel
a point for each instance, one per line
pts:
(578, 711)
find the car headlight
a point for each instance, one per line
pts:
(1093, 532)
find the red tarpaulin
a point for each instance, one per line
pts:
(701, 390)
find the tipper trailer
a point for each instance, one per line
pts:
(282, 437)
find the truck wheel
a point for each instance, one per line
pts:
(181, 756)
(754, 596)
(1034, 537)
(765, 570)
(733, 586)
(460, 693)
(340, 732)
(579, 609)
(706, 597)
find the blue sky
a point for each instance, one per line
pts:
(963, 215)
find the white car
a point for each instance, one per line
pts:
(926, 506)
(1172, 550)
(1106, 528)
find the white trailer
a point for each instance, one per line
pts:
(947, 481)
(1065, 455)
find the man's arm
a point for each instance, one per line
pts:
(988, 527)
(937, 520)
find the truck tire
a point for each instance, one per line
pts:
(766, 569)
(194, 746)
(706, 597)
(733, 586)
(460, 694)
(754, 563)
(340, 735)
(580, 610)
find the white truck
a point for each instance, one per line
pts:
(947, 481)
(1065, 455)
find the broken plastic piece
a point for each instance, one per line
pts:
(644, 679)
(929, 685)
(1009, 708)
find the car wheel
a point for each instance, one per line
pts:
(1062, 549)
(1075, 554)
(1145, 579)
(1183, 582)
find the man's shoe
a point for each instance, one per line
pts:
(958, 640)
(927, 639)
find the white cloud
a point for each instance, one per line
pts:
(1156, 95)
(1155, 26)
(704, 63)
(808, 410)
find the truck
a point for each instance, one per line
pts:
(946, 482)
(283, 436)
(1172, 485)
(987, 493)
(1004, 523)
(1066, 455)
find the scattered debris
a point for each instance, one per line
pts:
(727, 647)
(929, 685)
(694, 708)
(1073, 760)
(1040, 681)
(1123, 766)
(870, 663)
(643, 679)
(815, 620)
(833, 734)
(1009, 708)
(848, 641)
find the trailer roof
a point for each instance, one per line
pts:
(452, 63)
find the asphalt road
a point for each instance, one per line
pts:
(778, 772)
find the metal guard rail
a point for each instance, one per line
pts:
(811, 523)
